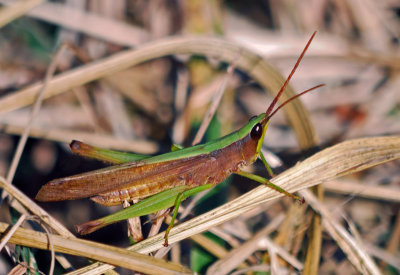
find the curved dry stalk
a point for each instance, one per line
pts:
(339, 160)
(256, 67)
(253, 64)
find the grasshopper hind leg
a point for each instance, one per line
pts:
(179, 198)
(178, 201)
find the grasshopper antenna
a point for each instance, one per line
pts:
(293, 97)
(272, 105)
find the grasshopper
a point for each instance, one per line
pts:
(165, 180)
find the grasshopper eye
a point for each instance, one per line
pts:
(253, 117)
(256, 132)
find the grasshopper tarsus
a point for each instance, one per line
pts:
(165, 244)
(79, 148)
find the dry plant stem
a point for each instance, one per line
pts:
(214, 105)
(214, 248)
(188, 209)
(339, 160)
(92, 24)
(21, 144)
(51, 246)
(284, 236)
(12, 12)
(96, 251)
(176, 254)
(210, 246)
(38, 103)
(181, 95)
(134, 225)
(18, 269)
(367, 191)
(254, 268)
(38, 211)
(236, 256)
(226, 51)
(311, 264)
(383, 255)
(161, 253)
(267, 243)
(108, 141)
(27, 203)
(214, 47)
(53, 253)
(356, 254)
(300, 233)
(231, 240)
(257, 68)
(87, 107)
(7, 237)
(273, 260)
(155, 228)
(394, 240)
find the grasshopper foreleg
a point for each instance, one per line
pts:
(267, 166)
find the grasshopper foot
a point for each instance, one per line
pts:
(166, 242)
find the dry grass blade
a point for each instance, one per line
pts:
(36, 107)
(14, 228)
(89, 23)
(92, 250)
(252, 63)
(34, 208)
(18, 270)
(258, 68)
(362, 190)
(109, 141)
(383, 255)
(339, 160)
(357, 255)
(214, 105)
(241, 253)
(21, 145)
(14, 11)
(360, 70)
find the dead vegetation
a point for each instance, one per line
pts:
(140, 75)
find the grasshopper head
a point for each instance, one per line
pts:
(259, 128)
